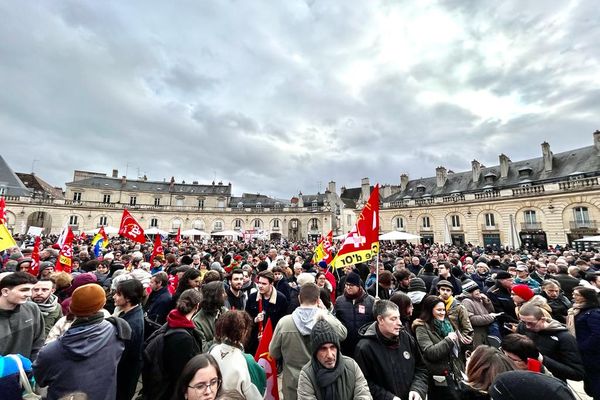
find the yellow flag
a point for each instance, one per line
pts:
(6, 239)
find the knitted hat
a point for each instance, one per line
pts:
(322, 264)
(87, 300)
(353, 279)
(417, 285)
(445, 283)
(305, 278)
(321, 334)
(523, 291)
(525, 385)
(469, 286)
(503, 275)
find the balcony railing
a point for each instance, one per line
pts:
(578, 184)
(583, 225)
(531, 226)
(424, 202)
(487, 195)
(528, 190)
(453, 198)
(456, 228)
(486, 227)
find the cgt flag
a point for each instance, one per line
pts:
(268, 363)
(158, 248)
(35, 257)
(2, 210)
(362, 242)
(65, 257)
(131, 229)
(178, 237)
(323, 249)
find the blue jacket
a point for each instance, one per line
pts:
(587, 329)
(10, 384)
(84, 359)
(130, 366)
(158, 306)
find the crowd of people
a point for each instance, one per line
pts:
(447, 322)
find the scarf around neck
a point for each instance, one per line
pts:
(49, 305)
(326, 378)
(448, 303)
(442, 327)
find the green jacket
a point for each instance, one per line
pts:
(205, 326)
(351, 384)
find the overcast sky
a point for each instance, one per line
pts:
(281, 96)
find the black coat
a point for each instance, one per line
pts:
(180, 347)
(130, 365)
(559, 307)
(456, 285)
(391, 371)
(567, 284)
(273, 311)
(587, 329)
(159, 305)
(353, 314)
(502, 302)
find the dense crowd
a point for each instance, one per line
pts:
(426, 321)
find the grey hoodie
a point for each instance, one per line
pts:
(304, 319)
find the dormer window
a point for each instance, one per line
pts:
(240, 205)
(525, 172)
(490, 177)
(420, 188)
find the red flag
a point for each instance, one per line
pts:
(131, 229)
(35, 257)
(2, 210)
(362, 242)
(264, 359)
(65, 257)
(178, 237)
(158, 248)
(83, 236)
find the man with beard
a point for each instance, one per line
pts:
(236, 297)
(43, 295)
(354, 309)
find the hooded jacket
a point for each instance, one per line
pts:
(291, 342)
(391, 370)
(559, 348)
(85, 358)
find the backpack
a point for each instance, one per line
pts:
(154, 376)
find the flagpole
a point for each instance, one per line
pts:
(377, 276)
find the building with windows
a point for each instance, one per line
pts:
(548, 200)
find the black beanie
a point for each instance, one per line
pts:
(321, 334)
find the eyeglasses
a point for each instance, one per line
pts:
(213, 385)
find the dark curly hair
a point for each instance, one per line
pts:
(233, 327)
(213, 297)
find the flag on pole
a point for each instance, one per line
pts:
(2, 210)
(362, 242)
(65, 257)
(131, 229)
(99, 242)
(158, 248)
(35, 257)
(264, 359)
(324, 249)
(6, 239)
(63, 236)
(178, 237)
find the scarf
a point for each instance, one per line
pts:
(49, 305)
(448, 302)
(356, 296)
(326, 378)
(571, 314)
(443, 328)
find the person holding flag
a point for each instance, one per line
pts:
(65, 257)
(99, 242)
(158, 249)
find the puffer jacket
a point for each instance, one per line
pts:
(353, 314)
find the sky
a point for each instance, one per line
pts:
(279, 97)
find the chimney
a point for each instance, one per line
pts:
(403, 182)
(386, 191)
(441, 175)
(365, 189)
(476, 167)
(172, 183)
(504, 160)
(597, 140)
(123, 180)
(300, 201)
(331, 187)
(547, 154)
(115, 173)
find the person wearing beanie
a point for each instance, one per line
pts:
(85, 358)
(481, 315)
(385, 340)
(289, 338)
(500, 296)
(523, 278)
(456, 312)
(417, 290)
(522, 294)
(525, 385)
(329, 375)
(354, 308)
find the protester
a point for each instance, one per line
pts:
(483, 366)
(211, 307)
(481, 315)
(389, 357)
(200, 379)
(521, 385)
(406, 308)
(43, 295)
(158, 305)
(21, 322)
(557, 301)
(329, 375)
(236, 297)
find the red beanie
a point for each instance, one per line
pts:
(523, 291)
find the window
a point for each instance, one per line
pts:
(314, 224)
(73, 220)
(106, 198)
(399, 223)
(275, 223)
(277, 205)
(455, 219)
(103, 220)
(314, 205)
(257, 224)
(529, 216)
(218, 226)
(157, 201)
(179, 202)
(176, 224)
(581, 214)
(221, 203)
(240, 205)
(200, 203)
(489, 220)
(132, 200)
(154, 223)
(349, 219)
(426, 222)
(237, 224)
(77, 196)
(198, 224)
(259, 205)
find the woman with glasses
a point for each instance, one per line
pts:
(584, 319)
(200, 380)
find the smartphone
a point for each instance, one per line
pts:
(534, 365)
(508, 325)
